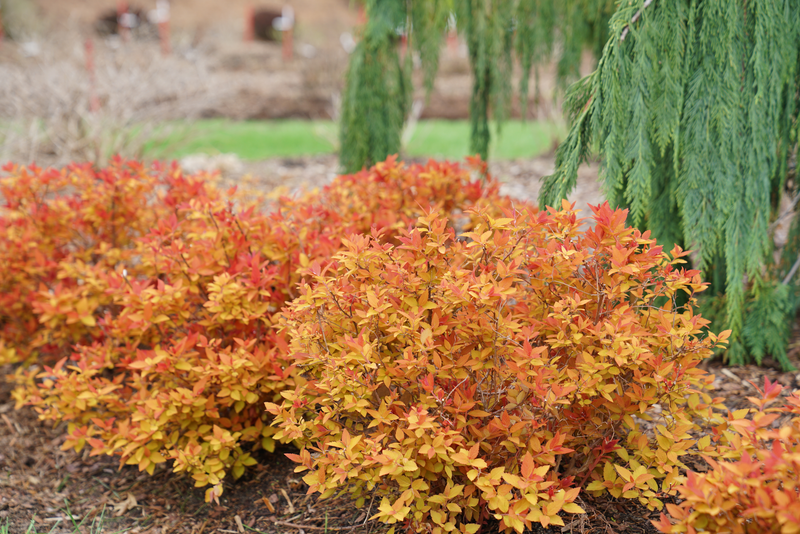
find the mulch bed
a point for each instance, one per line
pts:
(58, 491)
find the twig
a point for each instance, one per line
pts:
(311, 527)
(8, 422)
(366, 518)
(411, 124)
(268, 504)
(634, 18)
(291, 504)
(785, 213)
(732, 376)
(792, 271)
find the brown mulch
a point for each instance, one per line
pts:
(56, 490)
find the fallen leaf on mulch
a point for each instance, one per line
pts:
(123, 506)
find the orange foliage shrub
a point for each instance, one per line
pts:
(153, 300)
(494, 373)
(754, 484)
(56, 226)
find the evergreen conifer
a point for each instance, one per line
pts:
(693, 109)
(378, 89)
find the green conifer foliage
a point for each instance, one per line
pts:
(377, 93)
(693, 110)
(495, 31)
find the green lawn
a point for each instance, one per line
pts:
(255, 140)
(250, 140)
(450, 139)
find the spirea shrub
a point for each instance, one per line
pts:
(495, 373)
(753, 484)
(59, 226)
(149, 306)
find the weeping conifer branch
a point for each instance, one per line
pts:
(693, 108)
(378, 88)
(495, 31)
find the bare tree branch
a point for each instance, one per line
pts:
(634, 18)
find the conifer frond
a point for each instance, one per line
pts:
(766, 330)
(495, 30)
(378, 90)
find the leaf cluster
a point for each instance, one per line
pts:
(56, 226)
(753, 484)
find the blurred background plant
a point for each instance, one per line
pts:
(506, 41)
(220, 89)
(20, 21)
(46, 110)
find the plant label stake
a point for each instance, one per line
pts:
(94, 102)
(452, 34)
(287, 44)
(249, 23)
(162, 18)
(288, 47)
(403, 45)
(452, 41)
(362, 16)
(285, 25)
(123, 21)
